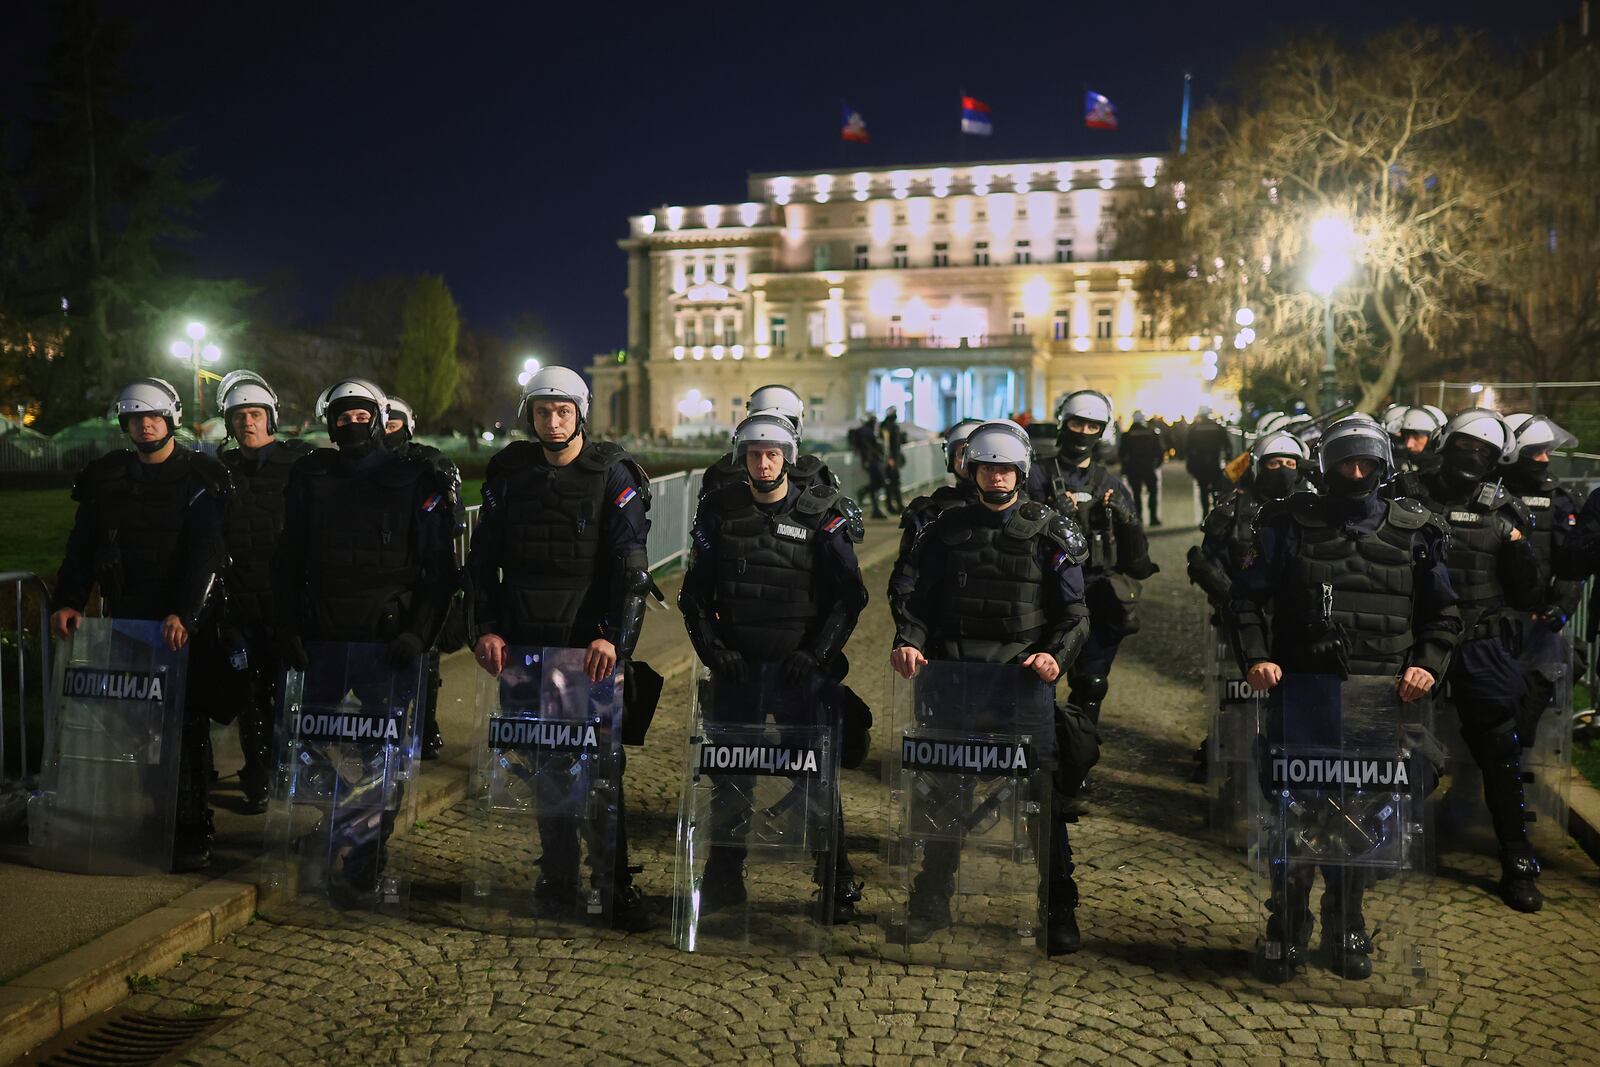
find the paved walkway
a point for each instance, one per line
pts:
(1167, 917)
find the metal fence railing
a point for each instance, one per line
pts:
(24, 690)
(673, 498)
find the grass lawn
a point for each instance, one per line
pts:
(33, 529)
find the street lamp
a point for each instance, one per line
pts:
(1333, 243)
(530, 367)
(196, 354)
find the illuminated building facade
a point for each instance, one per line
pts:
(975, 289)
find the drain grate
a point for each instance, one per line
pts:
(121, 1037)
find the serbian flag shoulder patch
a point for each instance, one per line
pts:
(627, 495)
(834, 523)
(1061, 557)
(432, 502)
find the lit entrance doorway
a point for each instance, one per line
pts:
(938, 397)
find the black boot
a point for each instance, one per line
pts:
(722, 884)
(1283, 951)
(432, 740)
(1346, 948)
(191, 845)
(927, 912)
(628, 911)
(1061, 936)
(1518, 885)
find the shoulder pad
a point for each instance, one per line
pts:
(1221, 516)
(297, 445)
(639, 476)
(729, 496)
(818, 499)
(1408, 514)
(807, 466)
(408, 470)
(1277, 510)
(318, 461)
(1029, 520)
(1066, 533)
(210, 472)
(109, 467)
(514, 457)
(600, 455)
(855, 527)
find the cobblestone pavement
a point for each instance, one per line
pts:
(1167, 919)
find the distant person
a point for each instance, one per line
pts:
(1141, 451)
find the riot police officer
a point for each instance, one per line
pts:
(399, 435)
(894, 458)
(366, 557)
(148, 533)
(1413, 430)
(1344, 583)
(1141, 452)
(867, 441)
(1073, 484)
(558, 559)
(259, 464)
(1552, 509)
(1276, 471)
(1493, 567)
(773, 578)
(924, 509)
(808, 469)
(1204, 449)
(998, 580)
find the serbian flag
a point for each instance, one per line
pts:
(975, 117)
(1098, 112)
(855, 127)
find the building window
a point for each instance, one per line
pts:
(1147, 327)
(901, 260)
(780, 332)
(1063, 324)
(1102, 324)
(862, 260)
(980, 254)
(820, 257)
(816, 329)
(1063, 250)
(858, 329)
(730, 332)
(1019, 324)
(896, 329)
(941, 254)
(1024, 253)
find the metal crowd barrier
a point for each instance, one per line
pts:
(24, 696)
(673, 498)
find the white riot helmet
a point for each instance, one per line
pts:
(350, 393)
(1278, 443)
(1091, 405)
(1391, 418)
(148, 396)
(247, 389)
(1437, 412)
(1537, 432)
(1355, 436)
(782, 399)
(766, 429)
(557, 383)
(400, 409)
(955, 437)
(1419, 420)
(1272, 420)
(1484, 425)
(1136, 418)
(1001, 441)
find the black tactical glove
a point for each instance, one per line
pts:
(800, 665)
(1329, 654)
(292, 651)
(728, 665)
(402, 652)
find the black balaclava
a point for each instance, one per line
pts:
(1075, 445)
(397, 441)
(1277, 483)
(1527, 474)
(1462, 466)
(1351, 489)
(355, 439)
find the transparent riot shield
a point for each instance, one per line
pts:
(1545, 729)
(969, 834)
(1230, 744)
(344, 782)
(758, 819)
(542, 823)
(1340, 858)
(108, 787)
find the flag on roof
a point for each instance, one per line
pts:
(855, 127)
(975, 117)
(1098, 112)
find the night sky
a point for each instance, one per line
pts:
(503, 145)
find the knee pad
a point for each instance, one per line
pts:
(1491, 736)
(1089, 689)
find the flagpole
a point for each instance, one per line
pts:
(1183, 125)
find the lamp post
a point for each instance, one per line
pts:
(195, 353)
(1333, 243)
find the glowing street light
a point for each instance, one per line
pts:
(1334, 246)
(1244, 317)
(196, 354)
(530, 367)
